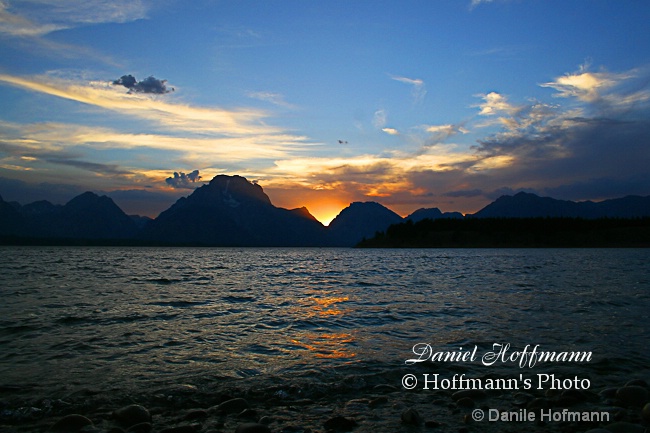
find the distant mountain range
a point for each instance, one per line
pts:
(231, 211)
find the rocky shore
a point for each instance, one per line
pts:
(315, 402)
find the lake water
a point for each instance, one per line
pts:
(115, 318)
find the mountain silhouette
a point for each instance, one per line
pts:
(432, 214)
(360, 220)
(527, 205)
(231, 211)
(87, 216)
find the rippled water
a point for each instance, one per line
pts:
(129, 316)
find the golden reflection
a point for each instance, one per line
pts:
(322, 306)
(331, 346)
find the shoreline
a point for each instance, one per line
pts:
(317, 402)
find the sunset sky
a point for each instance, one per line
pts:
(432, 103)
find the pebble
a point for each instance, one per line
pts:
(637, 382)
(143, 427)
(266, 420)
(645, 413)
(252, 428)
(181, 429)
(132, 415)
(340, 423)
(474, 394)
(248, 414)
(236, 405)
(411, 416)
(378, 401)
(71, 423)
(608, 392)
(195, 414)
(465, 402)
(634, 395)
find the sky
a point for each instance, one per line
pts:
(412, 104)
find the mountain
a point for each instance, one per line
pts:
(231, 211)
(87, 216)
(360, 220)
(526, 205)
(90, 216)
(431, 213)
(11, 221)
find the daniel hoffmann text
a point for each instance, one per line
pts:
(529, 357)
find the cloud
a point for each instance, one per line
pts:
(244, 122)
(585, 86)
(148, 85)
(102, 169)
(271, 97)
(16, 25)
(478, 2)
(418, 91)
(465, 193)
(576, 147)
(494, 103)
(182, 180)
(390, 131)
(45, 140)
(599, 134)
(379, 119)
(37, 18)
(439, 133)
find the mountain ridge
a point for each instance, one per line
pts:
(232, 211)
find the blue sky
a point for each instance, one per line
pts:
(445, 103)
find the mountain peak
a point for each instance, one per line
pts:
(230, 191)
(361, 219)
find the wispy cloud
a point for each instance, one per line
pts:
(573, 147)
(475, 3)
(172, 116)
(379, 119)
(600, 87)
(272, 98)
(28, 25)
(17, 25)
(40, 17)
(418, 90)
(182, 134)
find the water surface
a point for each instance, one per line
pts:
(120, 317)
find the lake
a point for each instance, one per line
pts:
(120, 319)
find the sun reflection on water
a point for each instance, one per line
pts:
(333, 346)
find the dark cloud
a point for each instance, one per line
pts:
(465, 193)
(595, 147)
(182, 180)
(111, 169)
(148, 85)
(602, 188)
